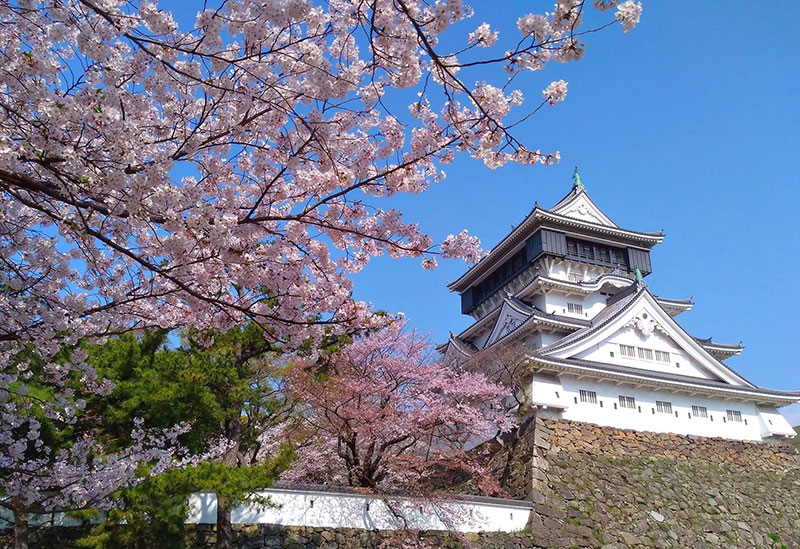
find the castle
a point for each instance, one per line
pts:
(567, 283)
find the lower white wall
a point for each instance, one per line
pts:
(344, 510)
(750, 428)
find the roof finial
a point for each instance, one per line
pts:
(576, 179)
(638, 274)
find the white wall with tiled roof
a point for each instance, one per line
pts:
(325, 508)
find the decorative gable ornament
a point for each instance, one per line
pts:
(645, 325)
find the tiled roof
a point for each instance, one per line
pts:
(707, 342)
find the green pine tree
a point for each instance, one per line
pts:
(230, 390)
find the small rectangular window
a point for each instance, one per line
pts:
(662, 356)
(663, 407)
(628, 351)
(627, 402)
(576, 277)
(589, 397)
(646, 354)
(575, 308)
(699, 411)
(734, 415)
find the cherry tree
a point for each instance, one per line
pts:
(230, 169)
(388, 415)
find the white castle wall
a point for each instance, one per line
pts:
(556, 303)
(680, 363)
(319, 508)
(754, 424)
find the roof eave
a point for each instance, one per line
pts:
(646, 238)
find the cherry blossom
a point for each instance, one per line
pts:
(556, 92)
(629, 12)
(483, 36)
(389, 416)
(239, 168)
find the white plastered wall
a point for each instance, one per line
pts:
(773, 424)
(680, 363)
(336, 510)
(562, 270)
(750, 428)
(555, 302)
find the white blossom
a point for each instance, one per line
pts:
(629, 12)
(483, 36)
(556, 92)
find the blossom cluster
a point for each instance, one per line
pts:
(556, 92)
(391, 417)
(154, 176)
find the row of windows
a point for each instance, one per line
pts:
(581, 249)
(629, 351)
(662, 407)
(501, 276)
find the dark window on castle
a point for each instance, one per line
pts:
(500, 277)
(734, 415)
(664, 407)
(572, 247)
(596, 253)
(700, 411)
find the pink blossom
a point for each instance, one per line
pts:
(629, 12)
(387, 415)
(555, 92)
(153, 176)
(462, 245)
(483, 36)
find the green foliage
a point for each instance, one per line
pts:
(776, 540)
(213, 382)
(197, 384)
(153, 513)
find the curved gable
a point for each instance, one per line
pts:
(580, 206)
(512, 315)
(636, 319)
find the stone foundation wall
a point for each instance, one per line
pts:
(596, 486)
(262, 536)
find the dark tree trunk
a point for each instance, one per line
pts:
(224, 529)
(233, 429)
(20, 530)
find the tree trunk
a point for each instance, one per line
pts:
(20, 530)
(233, 430)
(224, 529)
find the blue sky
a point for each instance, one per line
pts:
(689, 123)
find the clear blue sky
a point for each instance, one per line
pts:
(689, 123)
